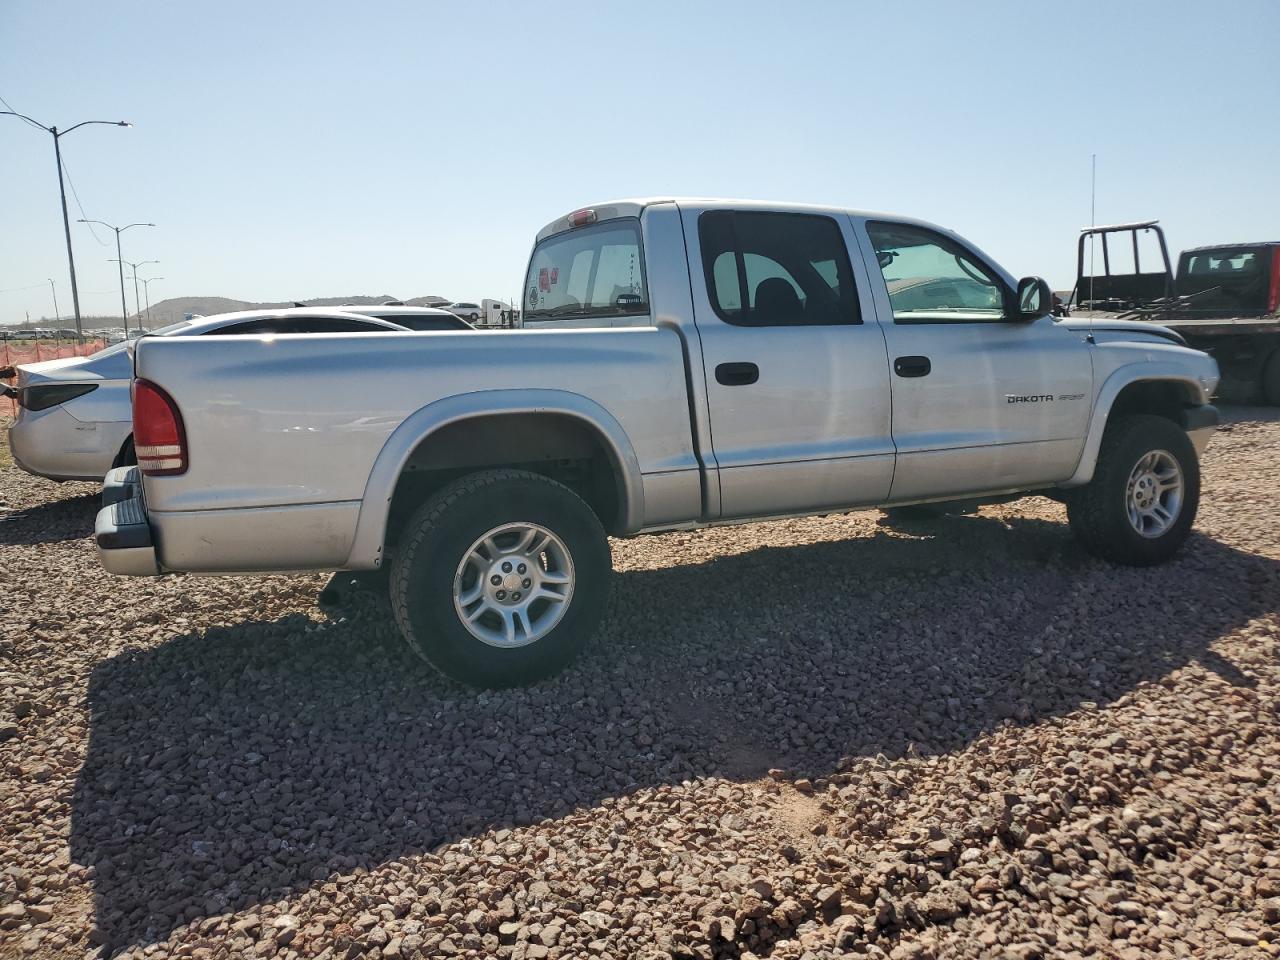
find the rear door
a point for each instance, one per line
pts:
(983, 401)
(795, 365)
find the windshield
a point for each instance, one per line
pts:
(589, 272)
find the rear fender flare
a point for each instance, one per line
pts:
(371, 528)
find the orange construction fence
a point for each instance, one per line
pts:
(32, 351)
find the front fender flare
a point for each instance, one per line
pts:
(375, 508)
(1120, 378)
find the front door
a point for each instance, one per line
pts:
(797, 383)
(983, 401)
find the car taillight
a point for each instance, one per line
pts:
(45, 395)
(1273, 292)
(158, 437)
(580, 218)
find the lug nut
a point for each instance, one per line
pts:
(495, 579)
(521, 569)
(506, 567)
(501, 594)
(516, 595)
(526, 583)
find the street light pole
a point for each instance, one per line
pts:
(62, 191)
(66, 228)
(137, 301)
(146, 292)
(57, 317)
(124, 307)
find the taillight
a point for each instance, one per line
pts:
(45, 395)
(580, 218)
(1273, 292)
(158, 437)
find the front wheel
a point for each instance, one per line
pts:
(501, 578)
(1140, 505)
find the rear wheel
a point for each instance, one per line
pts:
(1140, 505)
(501, 578)
(1270, 385)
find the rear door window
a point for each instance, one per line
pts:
(776, 269)
(595, 271)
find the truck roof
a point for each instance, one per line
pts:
(1232, 246)
(633, 206)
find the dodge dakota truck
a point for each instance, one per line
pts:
(684, 363)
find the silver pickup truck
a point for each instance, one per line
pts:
(684, 363)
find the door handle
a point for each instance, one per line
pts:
(737, 374)
(912, 366)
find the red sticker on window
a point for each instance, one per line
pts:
(555, 274)
(544, 282)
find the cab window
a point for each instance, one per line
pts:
(776, 269)
(933, 279)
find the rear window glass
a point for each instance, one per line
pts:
(593, 271)
(1226, 263)
(428, 322)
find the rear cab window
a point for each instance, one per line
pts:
(593, 273)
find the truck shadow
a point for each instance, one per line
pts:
(238, 765)
(69, 518)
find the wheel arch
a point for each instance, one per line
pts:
(1161, 389)
(426, 440)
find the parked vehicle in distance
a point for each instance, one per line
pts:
(74, 420)
(413, 318)
(1223, 299)
(716, 362)
(470, 311)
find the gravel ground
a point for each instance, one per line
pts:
(808, 738)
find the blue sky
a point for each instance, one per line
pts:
(321, 148)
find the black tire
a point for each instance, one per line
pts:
(1098, 512)
(442, 532)
(1269, 384)
(127, 457)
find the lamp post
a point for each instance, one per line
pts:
(124, 307)
(137, 301)
(57, 317)
(62, 190)
(146, 292)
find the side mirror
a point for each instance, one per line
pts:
(1035, 299)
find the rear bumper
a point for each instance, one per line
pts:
(1200, 423)
(122, 531)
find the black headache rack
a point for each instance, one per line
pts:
(1115, 292)
(1194, 293)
